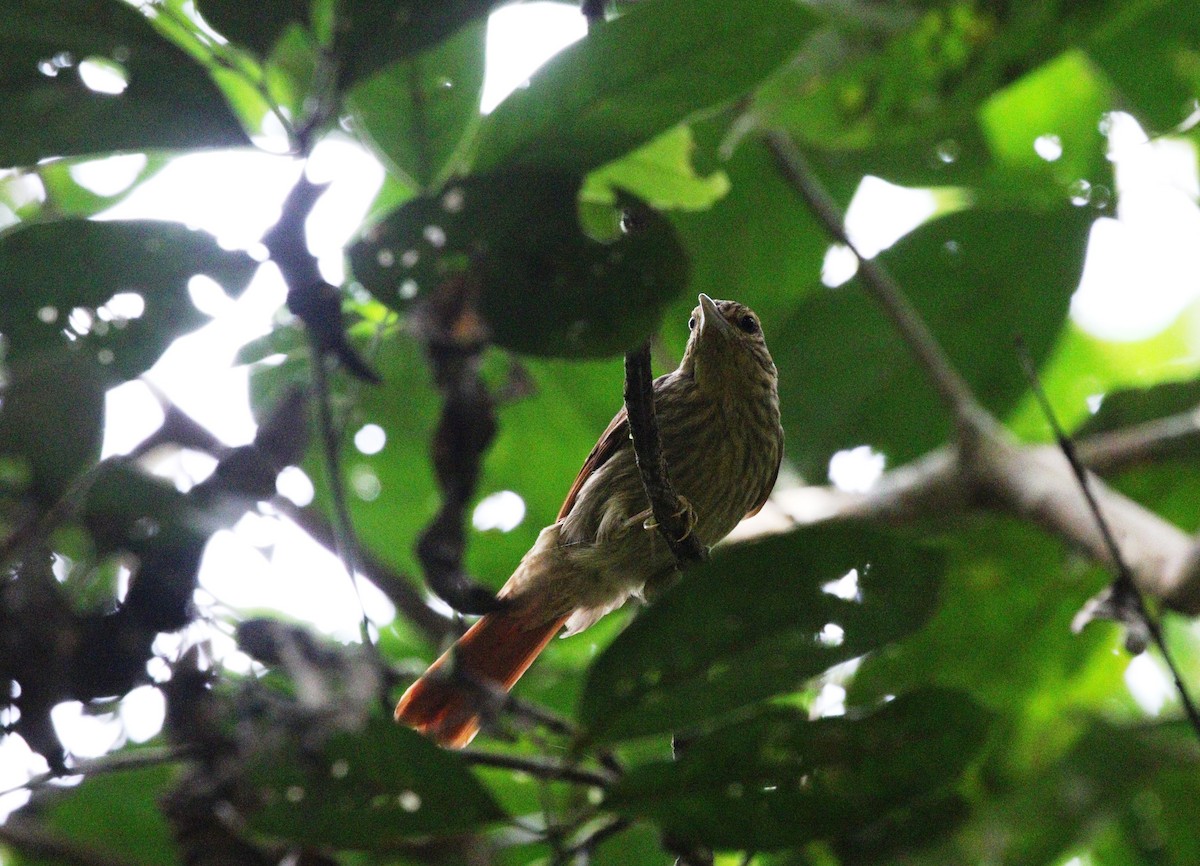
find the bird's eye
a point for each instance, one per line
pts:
(748, 323)
(692, 323)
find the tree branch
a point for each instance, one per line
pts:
(1117, 450)
(538, 767)
(946, 381)
(989, 468)
(652, 462)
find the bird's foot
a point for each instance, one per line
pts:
(686, 511)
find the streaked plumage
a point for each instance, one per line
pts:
(719, 422)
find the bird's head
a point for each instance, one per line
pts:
(726, 348)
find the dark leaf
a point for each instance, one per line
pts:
(756, 621)
(52, 417)
(257, 26)
(373, 34)
(169, 101)
(544, 287)
(977, 278)
(369, 791)
(637, 76)
(779, 779)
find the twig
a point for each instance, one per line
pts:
(400, 589)
(950, 386)
(589, 842)
(1126, 597)
(593, 11)
(345, 543)
(32, 837)
(39, 524)
(652, 462)
(1116, 450)
(538, 767)
(116, 762)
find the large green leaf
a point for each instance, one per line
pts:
(779, 779)
(125, 805)
(758, 620)
(637, 76)
(417, 112)
(1150, 53)
(48, 270)
(372, 34)
(660, 173)
(169, 100)
(370, 791)
(978, 278)
(544, 287)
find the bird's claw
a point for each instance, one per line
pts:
(686, 511)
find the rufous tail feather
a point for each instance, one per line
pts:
(445, 704)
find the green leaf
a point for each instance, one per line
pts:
(757, 621)
(977, 278)
(370, 791)
(779, 779)
(417, 113)
(544, 287)
(637, 76)
(169, 101)
(1063, 101)
(258, 25)
(659, 173)
(373, 35)
(1149, 51)
(48, 270)
(126, 806)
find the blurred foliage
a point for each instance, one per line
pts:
(935, 709)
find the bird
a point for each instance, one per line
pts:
(718, 417)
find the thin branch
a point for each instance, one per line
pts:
(950, 386)
(538, 767)
(590, 842)
(345, 542)
(1125, 594)
(400, 589)
(117, 762)
(34, 838)
(1117, 450)
(652, 462)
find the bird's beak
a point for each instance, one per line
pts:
(710, 316)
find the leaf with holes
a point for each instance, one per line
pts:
(637, 76)
(758, 620)
(544, 287)
(370, 791)
(152, 95)
(116, 291)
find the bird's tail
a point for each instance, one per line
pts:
(446, 703)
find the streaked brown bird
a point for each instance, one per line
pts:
(718, 418)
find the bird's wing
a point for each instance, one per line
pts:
(767, 495)
(610, 442)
